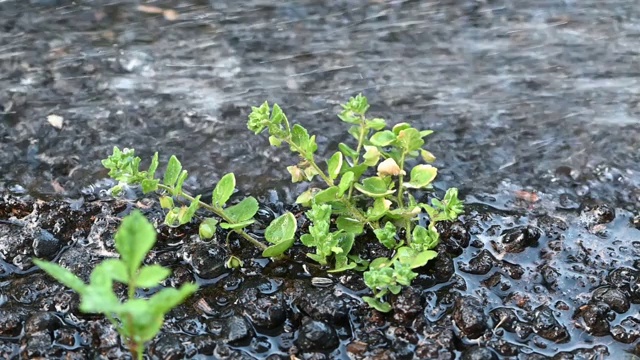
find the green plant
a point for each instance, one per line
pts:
(137, 320)
(358, 200)
(124, 167)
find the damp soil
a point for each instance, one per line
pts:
(536, 112)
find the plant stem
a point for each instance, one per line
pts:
(358, 148)
(401, 181)
(218, 212)
(352, 209)
(407, 222)
(311, 161)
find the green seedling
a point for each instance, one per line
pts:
(124, 167)
(364, 187)
(137, 320)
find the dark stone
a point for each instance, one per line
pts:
(547, 326)
(407, 306)
(613, 297)
(595, 318)
(478, 353)
(455, 238)
(168, 347)
(508, 320)
(518, 239)
(10, 322)
(264, 311)
(204, 344)
(37, 344)
(207, 259)
(316, 335)
(43, 321)
(469, 316)
(324, 306)
(598, 214)
(237, 329)
(45, 245)
(480, 264)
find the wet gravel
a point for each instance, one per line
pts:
(536, 116)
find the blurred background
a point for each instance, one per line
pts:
(524, 96)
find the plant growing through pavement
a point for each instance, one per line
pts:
(137, 320)
(358, 200)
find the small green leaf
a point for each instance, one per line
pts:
(310, 172)
(207, 228)
(233, 263)
(326, 195)
(63, 275)
(424, 239)
(187, 214)
(305, 198)
(381, 306)
(379, 263)
(238, 225)
(334, 165)
(345, 182)
(166, 202)
(371, 155)
(151, 173)
(278, 249)
(355, 132)
(374, 187)
(300, 137)
(422, 258)
(173, 171)
(259, 118)
(223, 190)
(387, 235)
(347, 151)
(181, 179)
(383, 138)
(149, 185)
(151, 276)
(410, 139)
(421, 176)
(400, 126)
(242, 211)
(134, 238)
(427, 156)
(376, 124)
(297, 174)
(172, 219)
(350, 225)
(347, 116)
(283, 228)
(274, 141)
(116, 269)
(168, 298)
(424, 133)
(379, 209)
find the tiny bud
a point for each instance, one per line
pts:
(389, 167)
(297, 175)
(233, 263)
(166, 202)
(205, 231)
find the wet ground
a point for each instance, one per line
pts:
(535, 106)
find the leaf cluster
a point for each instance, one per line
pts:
(372, 171)
(124, 167)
